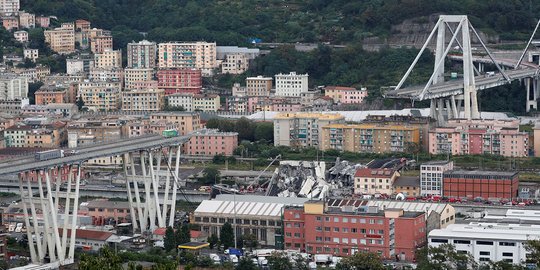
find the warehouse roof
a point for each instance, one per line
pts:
(247, 205)
(411, 206)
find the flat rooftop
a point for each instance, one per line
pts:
(482, 173)
(488, 231)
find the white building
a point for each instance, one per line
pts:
(291, 85)
(488, 241)
(431, 177)
(21, 36)
(184, 100)
(13, 87)
(79, 65)
(9, 6)
(31, 54)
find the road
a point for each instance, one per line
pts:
(84, 154)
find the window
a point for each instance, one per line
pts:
(345, 230)
(297, 235)
(462, 242)
(336, 229)
(437, 240)
(345, 220)
(354, 230)
(483, 259)
(508, 254)
(354, 241)
(336, 219)
(326, 229)
(363, 241)
(345, 240)
(336, 240)
(318, 218)
(318, 239)
(484, 253)
(353, 220)
(319, 229)
(362, 220)
(507, 244)
(484, 243)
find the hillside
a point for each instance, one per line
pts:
(231, 22)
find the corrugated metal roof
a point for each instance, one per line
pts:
(411, 206)
(252, 206)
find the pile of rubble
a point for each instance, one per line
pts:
(311, 180)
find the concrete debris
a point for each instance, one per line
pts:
(310, 179)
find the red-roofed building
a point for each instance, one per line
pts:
(346, 95)
(374, 181)
(198, 236)
(89, 240)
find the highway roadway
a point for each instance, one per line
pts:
(85, 153)
(455, 87)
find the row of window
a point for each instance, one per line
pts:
(351, 220)
(255, 222)
(478, 242)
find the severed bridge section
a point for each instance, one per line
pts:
(458, 97)
(149, 162)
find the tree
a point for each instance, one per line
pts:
(250, 241)
(533, 246)
(264, 131)
(245, 263)
(32, 88)
(106, 259)
(279, 261)
(443, 257)
(226, 235)
(213, 240)
(361, 261)
(170, 239)
(210, 175)
(244, 127)
(80, 103)
(183, 234)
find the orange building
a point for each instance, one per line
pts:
(480, 184)
(46, 96)
(105, 212)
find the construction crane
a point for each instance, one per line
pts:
(256, 180)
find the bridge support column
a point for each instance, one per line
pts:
(153, 213)
(531, 86)
(50, 239)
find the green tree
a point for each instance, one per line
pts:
(264, 131)
(183, 234)
(245, 263)
(32, 88)
(226, 235)
(443, 257)
(250, 241)
(361, 261)
(106, 259)
(213, 240)
(244, 127)
(279, 261)
(80, 103)
(169, 239)
(533, 246)
(165, 266)
(210, 176)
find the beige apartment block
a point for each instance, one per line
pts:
(108, 59)
(199, 55)
(235, 63)
(302, 129)
(206, 103)
(61, 39)
(142, 54)
(143, 100)
(258, 86)
(9, 6)
(134, 75)
(101, 43)
(185, 122)
(101, 96)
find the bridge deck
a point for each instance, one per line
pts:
(86, 153)
(455, 87)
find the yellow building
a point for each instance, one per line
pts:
(61, 39)
(302, 129)
(185, 122)
(143, 100)
(134, 75)
(375, 181)
(369, 138)
(206, 103)
(101, 96)
(198, 55)
(108, 59)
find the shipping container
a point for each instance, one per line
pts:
(170, 133)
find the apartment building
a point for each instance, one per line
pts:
(13, 87)
(302, 129)
(27, 20)
(197, 55)
(369, 138)
(423, 124)
(82, 25)
(134, 75)
(79, 64)
(346, 95)
(235, 63)
(106, 74)
(103, 212)
(184, 100)
(108, 59)
(61, 39)
(260, 216)
(13, 107)
(211, 142)
(52, 136)
(185, 122)
(488, 242)
(291, 85)
(431, 177)
(51, 94)
(34, 74)
(9, 6)
(274, 104)
(102, 43)
(375, 181)
(319, 228)
(15, 136)
(480, 184)
(21, 36)
(10, 23)
(43, 21)
(91, 131)
(477, 137)
(31, 54)
(180, 80)
(143, 100)
(206, 102)
(142, 54)
(101, 96)
(258, 86)
(236, 104)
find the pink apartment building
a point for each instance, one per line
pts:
(346, 95)
(211, 142)
(105, 212)
(180, 81)
(476, 137)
